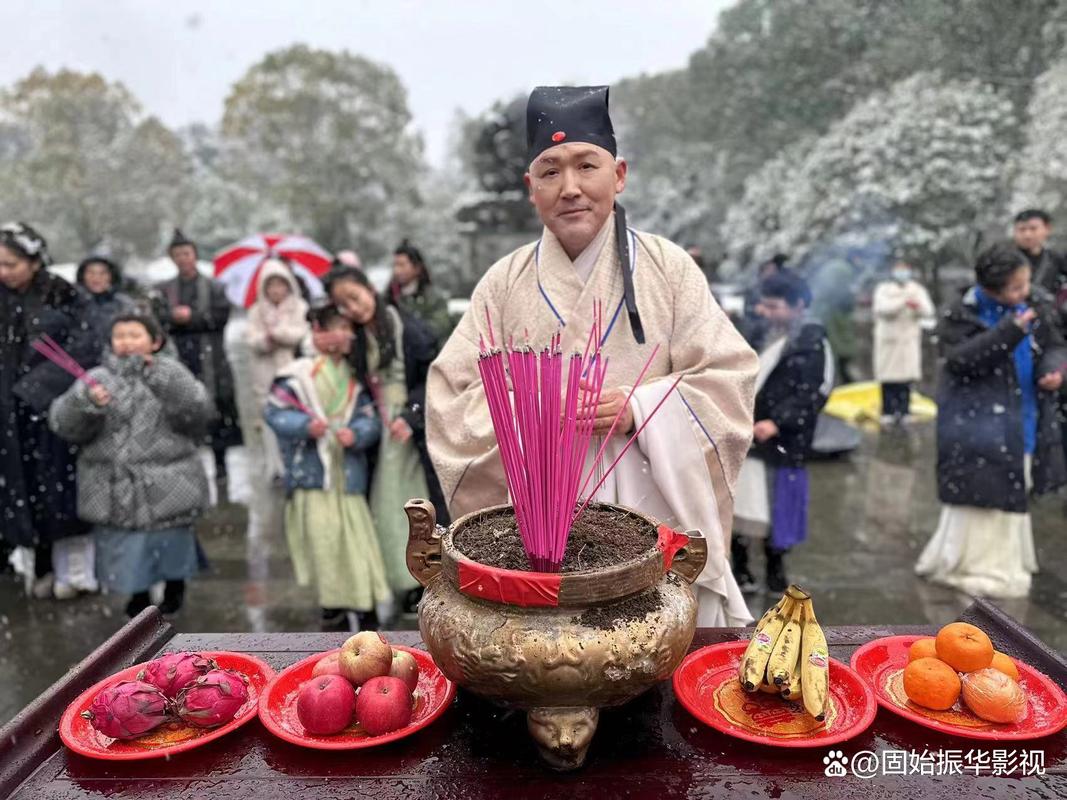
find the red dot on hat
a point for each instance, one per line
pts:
(558, 136)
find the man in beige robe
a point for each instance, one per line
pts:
(684, 464)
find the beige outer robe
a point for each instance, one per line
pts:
(684, 465)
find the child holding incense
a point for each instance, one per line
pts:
(325, 422)
(140, 483)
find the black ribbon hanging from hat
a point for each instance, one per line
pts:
(622, 242)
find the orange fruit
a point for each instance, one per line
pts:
(964, 647)
(922, 648)
(993, 696)
(931, 683)
(1005, 664)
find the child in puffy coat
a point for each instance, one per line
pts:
(140, 482)
(326, 423)
(277, 324)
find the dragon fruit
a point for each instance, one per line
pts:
(174, 671)
(128, 710)
(212, 699)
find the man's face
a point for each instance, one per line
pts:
(1031, 234)
(184, 257)
(573, 188)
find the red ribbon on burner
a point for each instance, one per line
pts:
(529, 589)
(669, 542)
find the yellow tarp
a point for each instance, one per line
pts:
(861, 403)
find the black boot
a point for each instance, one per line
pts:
(138, 603)
(739, 557)
(776, 578)
(411, 601)
(368, 620)
(334, 619)
(173, 597)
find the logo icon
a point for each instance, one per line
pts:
(558, 136)
(835, 762)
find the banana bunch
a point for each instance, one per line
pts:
(787, 654)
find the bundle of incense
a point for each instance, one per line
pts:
(48, 348)
(544, 425)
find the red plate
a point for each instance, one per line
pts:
(881, 663)
(277, 706)
(707, 685)
(170, 738)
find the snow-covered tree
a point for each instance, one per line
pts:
(83, 163)
(1041, 178)
(921, 166)
(328, 138)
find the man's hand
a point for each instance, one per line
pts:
(99, 395)
(346, 436)
(317, 428)
(400, 430)
(1051, 382)
(764, 430)
(912, 303)
(181, 314)
(611, 400)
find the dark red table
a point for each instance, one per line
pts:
(650, 748)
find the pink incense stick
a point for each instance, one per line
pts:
(615, 421)
(290, 398)
(633, 439)
(543, 409)
(48, 348)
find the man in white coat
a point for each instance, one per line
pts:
(686, 461)
(901, 304)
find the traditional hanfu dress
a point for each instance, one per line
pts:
(684, 464)
(328, 523)
(398, 473)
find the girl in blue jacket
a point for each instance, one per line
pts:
(325, 423)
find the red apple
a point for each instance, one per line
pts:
(364, 656)
(327, 665)
(406, 668)
(383, 705)
(324, 705)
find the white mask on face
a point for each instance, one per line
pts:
(901, 274)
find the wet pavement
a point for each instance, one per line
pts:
(870, 516)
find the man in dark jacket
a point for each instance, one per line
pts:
(1031, 232)
(193, 310)
(794, 382)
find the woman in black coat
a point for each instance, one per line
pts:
(998, 436)
(37, 470)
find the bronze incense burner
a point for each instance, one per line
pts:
(541, 657)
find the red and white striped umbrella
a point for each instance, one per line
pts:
(237, 266)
